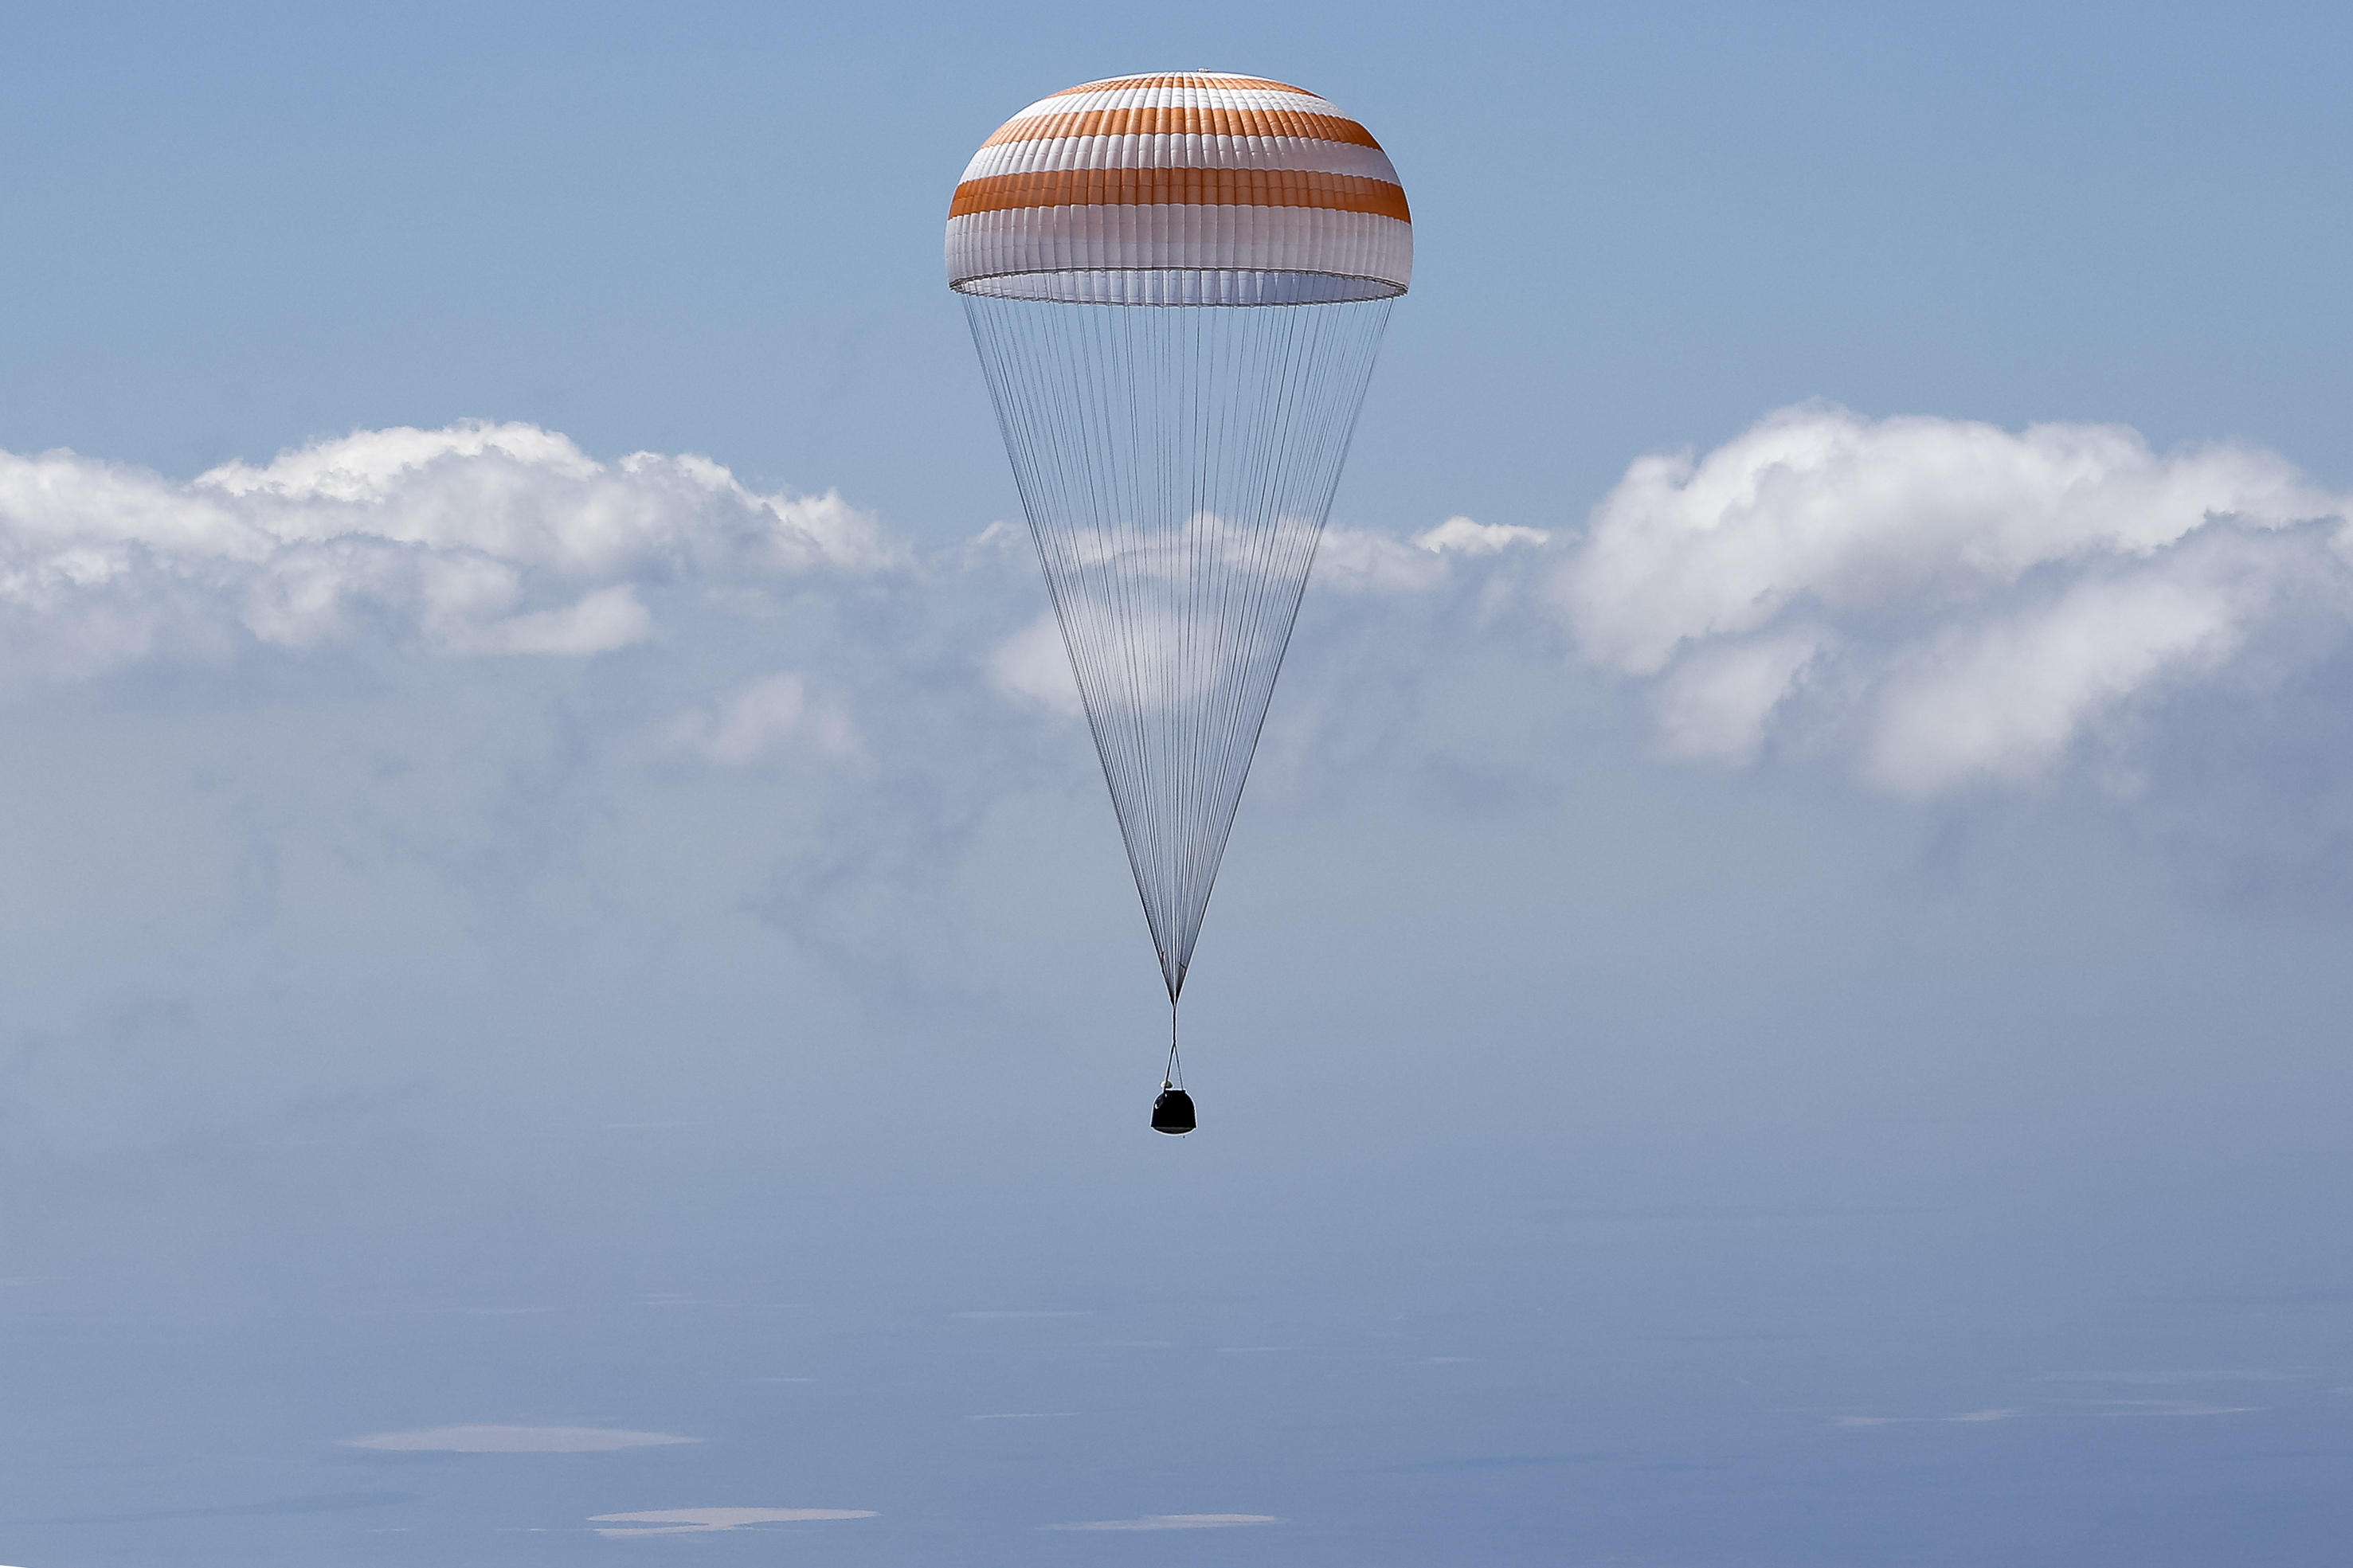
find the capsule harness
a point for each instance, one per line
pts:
(1173, 1112)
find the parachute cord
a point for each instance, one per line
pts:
(1176, 1073)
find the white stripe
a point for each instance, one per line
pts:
(1242, 238)
(1188, 152)
(1180, 98)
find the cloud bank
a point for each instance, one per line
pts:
(478, 540)
(1925, 606)
(1948, 603)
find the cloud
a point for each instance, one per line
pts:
(1031, 666)
(701, 1521)
(1948, 603)
(473, 540)
(1356, 561)
(765, 718)
(1464, 537)
(515, 1440)
(1715, 703)
(1173, 1522)
(606, 619)
(519, 493)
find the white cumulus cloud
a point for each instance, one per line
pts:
(1462, 536)
(1962, 604)
(470, 541)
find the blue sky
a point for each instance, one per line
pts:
(1778, 998)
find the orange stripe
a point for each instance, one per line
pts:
(1181, 78)
(1185, 123)
(1181, 187)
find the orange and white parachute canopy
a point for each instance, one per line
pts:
(1181, 188)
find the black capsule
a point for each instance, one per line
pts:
(1173, 1112)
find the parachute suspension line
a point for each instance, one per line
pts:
(1174, 1076)
(1177, 464)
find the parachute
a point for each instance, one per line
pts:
(1178, 284)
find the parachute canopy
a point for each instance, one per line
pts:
(1184, 188)
(1176, 456)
